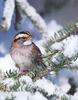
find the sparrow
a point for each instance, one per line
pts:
(25, 53)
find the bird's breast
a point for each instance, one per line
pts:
(22, 56)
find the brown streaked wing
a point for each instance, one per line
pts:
(36, 54)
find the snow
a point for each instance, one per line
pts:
(17, 95)
(45, 85)
(6, 63)
(8, 13)
(75, 97)
(63, 84)
(37, 96)
(26, 79)
(9, 82)
(71, 46)
(57, 46)
(52, 28)
(57, 58)
(22, 96)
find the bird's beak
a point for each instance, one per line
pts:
(28, 42)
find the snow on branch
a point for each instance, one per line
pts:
(62, 34)
(33, 15)
(7, 14)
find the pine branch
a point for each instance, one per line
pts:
(20, 84)
(62, 34)
(18, 16)
(36, 19)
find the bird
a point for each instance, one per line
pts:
(25, 53)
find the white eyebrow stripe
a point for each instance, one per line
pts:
(21, 35)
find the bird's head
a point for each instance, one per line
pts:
(23, 38)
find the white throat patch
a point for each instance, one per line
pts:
(28, 42)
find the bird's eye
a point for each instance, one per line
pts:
(21, 40)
